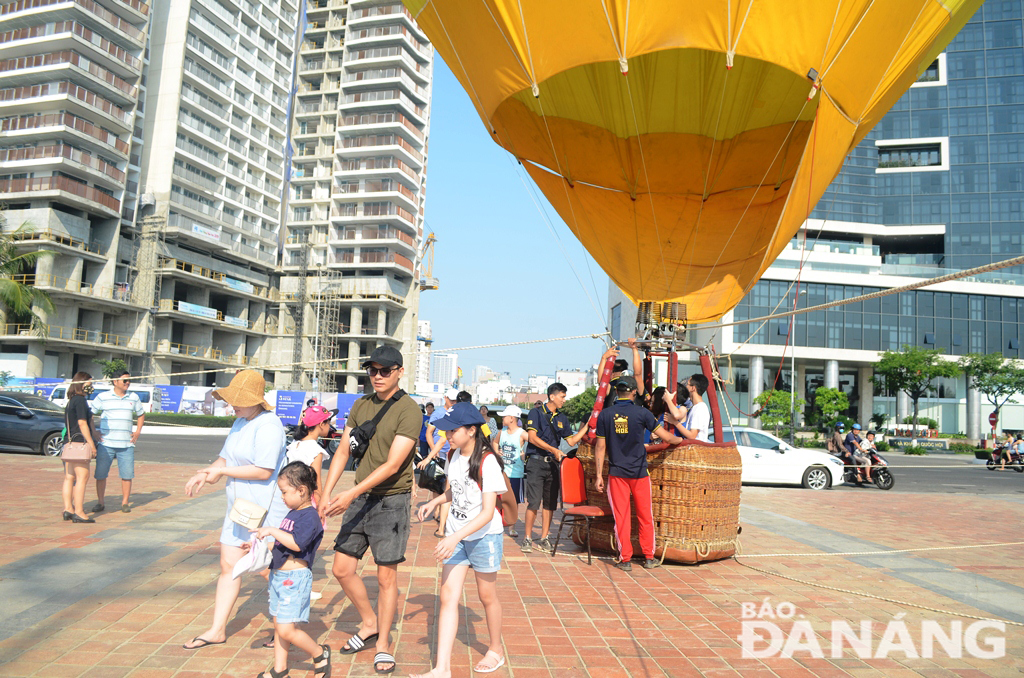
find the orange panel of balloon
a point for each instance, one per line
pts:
(684, 143)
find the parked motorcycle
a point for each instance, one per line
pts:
(881, 476)
(1016, 460)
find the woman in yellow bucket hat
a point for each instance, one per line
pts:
(250, 459)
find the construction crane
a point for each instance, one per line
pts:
(427, 280)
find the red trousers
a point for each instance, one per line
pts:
(619, 490)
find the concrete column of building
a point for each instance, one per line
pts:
(755, 385)
(77, 265)
(831, 374)
(356, 326)
(904, 407)
(866, 394)
(974, 427)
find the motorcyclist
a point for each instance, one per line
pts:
(857, 455)
(1009, 448)
(836, 444)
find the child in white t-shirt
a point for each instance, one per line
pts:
(314, 427)
(473, 534)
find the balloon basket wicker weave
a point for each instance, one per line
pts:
(695, 491)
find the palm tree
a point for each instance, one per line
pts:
(17, 298)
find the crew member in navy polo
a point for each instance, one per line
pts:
(546, 427)
(620, 432)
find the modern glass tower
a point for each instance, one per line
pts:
(936, 187)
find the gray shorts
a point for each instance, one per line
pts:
(861, 459)
(379, 522)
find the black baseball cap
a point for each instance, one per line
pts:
(625, 384)
(385, 356)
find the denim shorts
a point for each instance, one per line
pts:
(379, 522)
(105, 456)
(289, 595)
(483, 554)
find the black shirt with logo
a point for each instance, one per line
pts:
(551, 427)
(623, 426)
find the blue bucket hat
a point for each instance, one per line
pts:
(462, 414)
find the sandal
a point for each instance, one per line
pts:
(357, 643)
(325, 670)
(271, 673)
(438, 534)
(490, 669)
(203, 642)
(384, 658)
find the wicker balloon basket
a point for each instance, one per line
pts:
(696, 495)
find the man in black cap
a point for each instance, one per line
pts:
(620, 432)
(378, 507)
(546, 428)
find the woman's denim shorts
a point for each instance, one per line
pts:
(483, 554)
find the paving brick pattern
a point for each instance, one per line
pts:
(562, 618)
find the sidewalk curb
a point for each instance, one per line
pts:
(159, 429)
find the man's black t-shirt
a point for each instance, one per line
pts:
(622, 426)
(551, 427)
(77, 408)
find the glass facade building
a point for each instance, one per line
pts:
(935, 188)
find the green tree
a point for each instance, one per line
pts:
(913, 371)
(1001, 384)
(112, 368)
(578, 408)
(5, 377)
(16, 297)
(776, 408)
(879, 418)
(830, 402)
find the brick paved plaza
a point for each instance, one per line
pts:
(119, 598)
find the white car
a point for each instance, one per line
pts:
(766, 459)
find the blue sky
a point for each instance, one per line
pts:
(502, 274)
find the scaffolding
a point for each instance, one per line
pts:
(327, 342)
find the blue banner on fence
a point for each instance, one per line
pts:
(171, 397)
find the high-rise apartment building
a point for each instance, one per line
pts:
(213, 158)
(243, 186)
(936, 187)
(424, 340)
(70, 75)
(444, 368)
(354, 223)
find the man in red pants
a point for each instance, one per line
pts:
(620, 432)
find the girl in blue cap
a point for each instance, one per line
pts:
(473, 534)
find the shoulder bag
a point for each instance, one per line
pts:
(72, 451)
(359, 438)
(433, 478)
(248, 514)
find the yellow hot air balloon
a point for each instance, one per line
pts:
(685, 141)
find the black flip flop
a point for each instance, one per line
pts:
(357, 643)
(203, 642)
(384, 658)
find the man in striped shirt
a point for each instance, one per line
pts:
(117, 409)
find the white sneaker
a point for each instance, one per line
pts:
(315, 595)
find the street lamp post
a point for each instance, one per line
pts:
(792, 372)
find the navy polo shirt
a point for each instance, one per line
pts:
(550, 426)
(623, 426)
